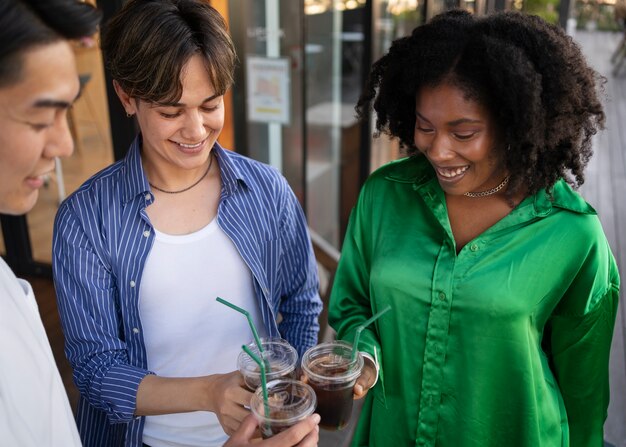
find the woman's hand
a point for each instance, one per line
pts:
(304, 434)
(227, 399)
(366, 380)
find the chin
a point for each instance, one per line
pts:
(18, 206)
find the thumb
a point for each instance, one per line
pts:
(245, 432)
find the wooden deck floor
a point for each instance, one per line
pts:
(605, 189)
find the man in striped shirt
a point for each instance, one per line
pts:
(143, 248)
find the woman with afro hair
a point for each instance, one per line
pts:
(503, 287)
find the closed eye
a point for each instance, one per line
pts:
(169, 115)
(464, 136)
(38, 127)
(424, 129)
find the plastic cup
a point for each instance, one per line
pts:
(281, 357)
(332, 374)
(289, 402)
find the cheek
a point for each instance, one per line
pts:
(20, 151)
(157, 128)
(216, 120)
(420, 141)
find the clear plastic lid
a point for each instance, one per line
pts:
(289, 401)
(278, 353)
(332, 362)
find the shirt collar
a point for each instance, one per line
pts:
(232, 176)
(135, 180)
(563, 196)
(136, 183)
(419, 172)
(415, 169)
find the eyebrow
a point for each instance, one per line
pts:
(455, 122)
(180, 104)
(53, 103)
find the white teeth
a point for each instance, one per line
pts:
(191, 146)
(449, 173)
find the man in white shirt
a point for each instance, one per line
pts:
(38, 84)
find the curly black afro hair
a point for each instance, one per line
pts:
(530, 75)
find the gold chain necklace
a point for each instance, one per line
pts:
(489, 191)
(189, 187)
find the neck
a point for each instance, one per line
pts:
(178, 180)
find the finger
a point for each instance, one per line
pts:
(246, 430)
(230, 424)
(238, 413)
(242, 401)
(362, 385)
(359, 392)
(311, 439)
(296, 433)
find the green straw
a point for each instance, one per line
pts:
(360, 328)
(247, 314)
(258, 361)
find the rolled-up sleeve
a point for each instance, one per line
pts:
(301, 304)
(350, 302)
(579, 340)
(88, 303)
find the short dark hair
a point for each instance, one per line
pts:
(147, 43)
(25, 24)
(530, 75)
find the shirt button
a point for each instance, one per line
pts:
(132, 283)
(146, 233)
(474, 247)
(135, 330)
(442, 296)
(148, 196)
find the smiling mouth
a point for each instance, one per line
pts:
(451, 172)
(191, 146)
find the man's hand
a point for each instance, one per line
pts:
(304, 434)
(228, 397)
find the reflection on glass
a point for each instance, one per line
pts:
(334, 52)
(392, 19)
(270, 55)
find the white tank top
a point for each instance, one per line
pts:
(187, 333)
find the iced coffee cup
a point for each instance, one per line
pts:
(289, 402)
(278, 354)
(332, 373)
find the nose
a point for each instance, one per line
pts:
(439, 149)
(59, 142)
(194, 129)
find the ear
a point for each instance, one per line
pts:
(127, 102)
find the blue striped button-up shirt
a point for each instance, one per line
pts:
(102, 237)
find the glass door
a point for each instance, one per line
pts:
(268, 90)
(298, 81)
(335, 50)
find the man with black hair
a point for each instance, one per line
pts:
(38, 83)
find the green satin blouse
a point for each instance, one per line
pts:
(504, 344)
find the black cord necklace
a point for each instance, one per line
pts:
(189, 187)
